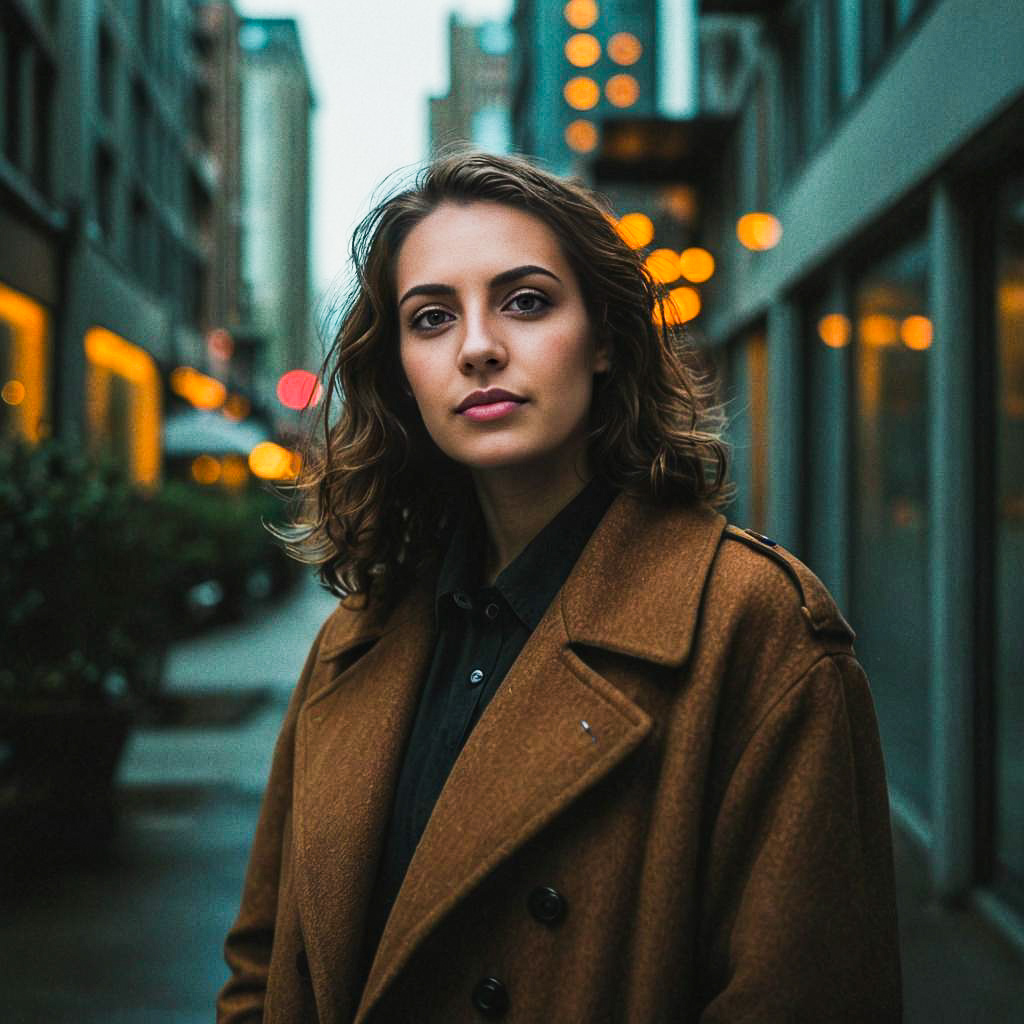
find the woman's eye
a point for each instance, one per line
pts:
(429, 319)
(528, 302)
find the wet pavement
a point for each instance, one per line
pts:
(135, 936)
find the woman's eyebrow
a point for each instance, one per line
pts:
(499, 279)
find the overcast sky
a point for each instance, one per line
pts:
(373, 63)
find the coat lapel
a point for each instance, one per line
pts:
(530, 756)
(350, 740)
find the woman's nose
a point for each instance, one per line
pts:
(481, 345)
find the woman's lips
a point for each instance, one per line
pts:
(493, 411)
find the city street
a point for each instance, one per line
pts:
(136, 938)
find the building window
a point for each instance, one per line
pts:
(107, 73)
(748, 428)
(890, 590)
(794, 90)
(827, 334)
(24, 366)
(105, 192)
(122, 404)
(1008, 538)
(141, 240)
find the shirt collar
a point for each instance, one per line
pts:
(530, 582)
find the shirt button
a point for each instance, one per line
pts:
(476, 676)
(491, 611)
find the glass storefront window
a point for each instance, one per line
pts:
(827, 335)
(890, 597)
(1009, 543)
(122, 396)
(748, 429)
(24, 359)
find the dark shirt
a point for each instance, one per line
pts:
(480, 631)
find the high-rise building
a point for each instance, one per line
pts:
(577, 65)
(219, 127)
(277, 106)
(476, 109)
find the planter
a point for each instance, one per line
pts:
(58, 762)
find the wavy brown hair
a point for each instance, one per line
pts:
(376, 494)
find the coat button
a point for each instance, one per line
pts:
(302, 964)
(547, 905)
(490, 997)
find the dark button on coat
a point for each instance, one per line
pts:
(722, 822)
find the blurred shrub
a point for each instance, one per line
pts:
(95, 574)
(78, 576)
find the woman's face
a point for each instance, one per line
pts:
(487, 300)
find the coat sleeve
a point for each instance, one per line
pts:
(799, 919)
(249, 943)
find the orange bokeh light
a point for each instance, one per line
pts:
(916, 333)
(834, 329)
(759, 231)
(681, 305)
(624, 48)
(581, 93)
(581, 13)
(878, 330)
(663, 265)
(581, 135)
(622, 90)
(205, 469)
(234, 472)
(270, 461)
(203, 391)
(696, 264)
(13, 392)
(582, 50)
(635, 229)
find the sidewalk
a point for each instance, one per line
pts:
(136, 938)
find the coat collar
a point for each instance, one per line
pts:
(648, 611)
(635, 589)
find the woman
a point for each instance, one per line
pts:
(571, 749)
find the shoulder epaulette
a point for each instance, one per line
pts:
(816, 603)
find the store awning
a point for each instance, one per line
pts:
(196, 431)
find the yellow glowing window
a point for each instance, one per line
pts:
(24, 363)
(581, 13)
(635, 229)
(582, 50)
(581, 135)
(624, 48)
(696, 264)
(581, 93)
(122, 402)
(622, 90)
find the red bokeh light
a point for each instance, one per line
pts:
(299, 389)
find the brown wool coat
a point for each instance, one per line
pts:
(719, 833)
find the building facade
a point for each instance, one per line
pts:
(476, 108)
(106, 193)
(277, 107)
(874, 361)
